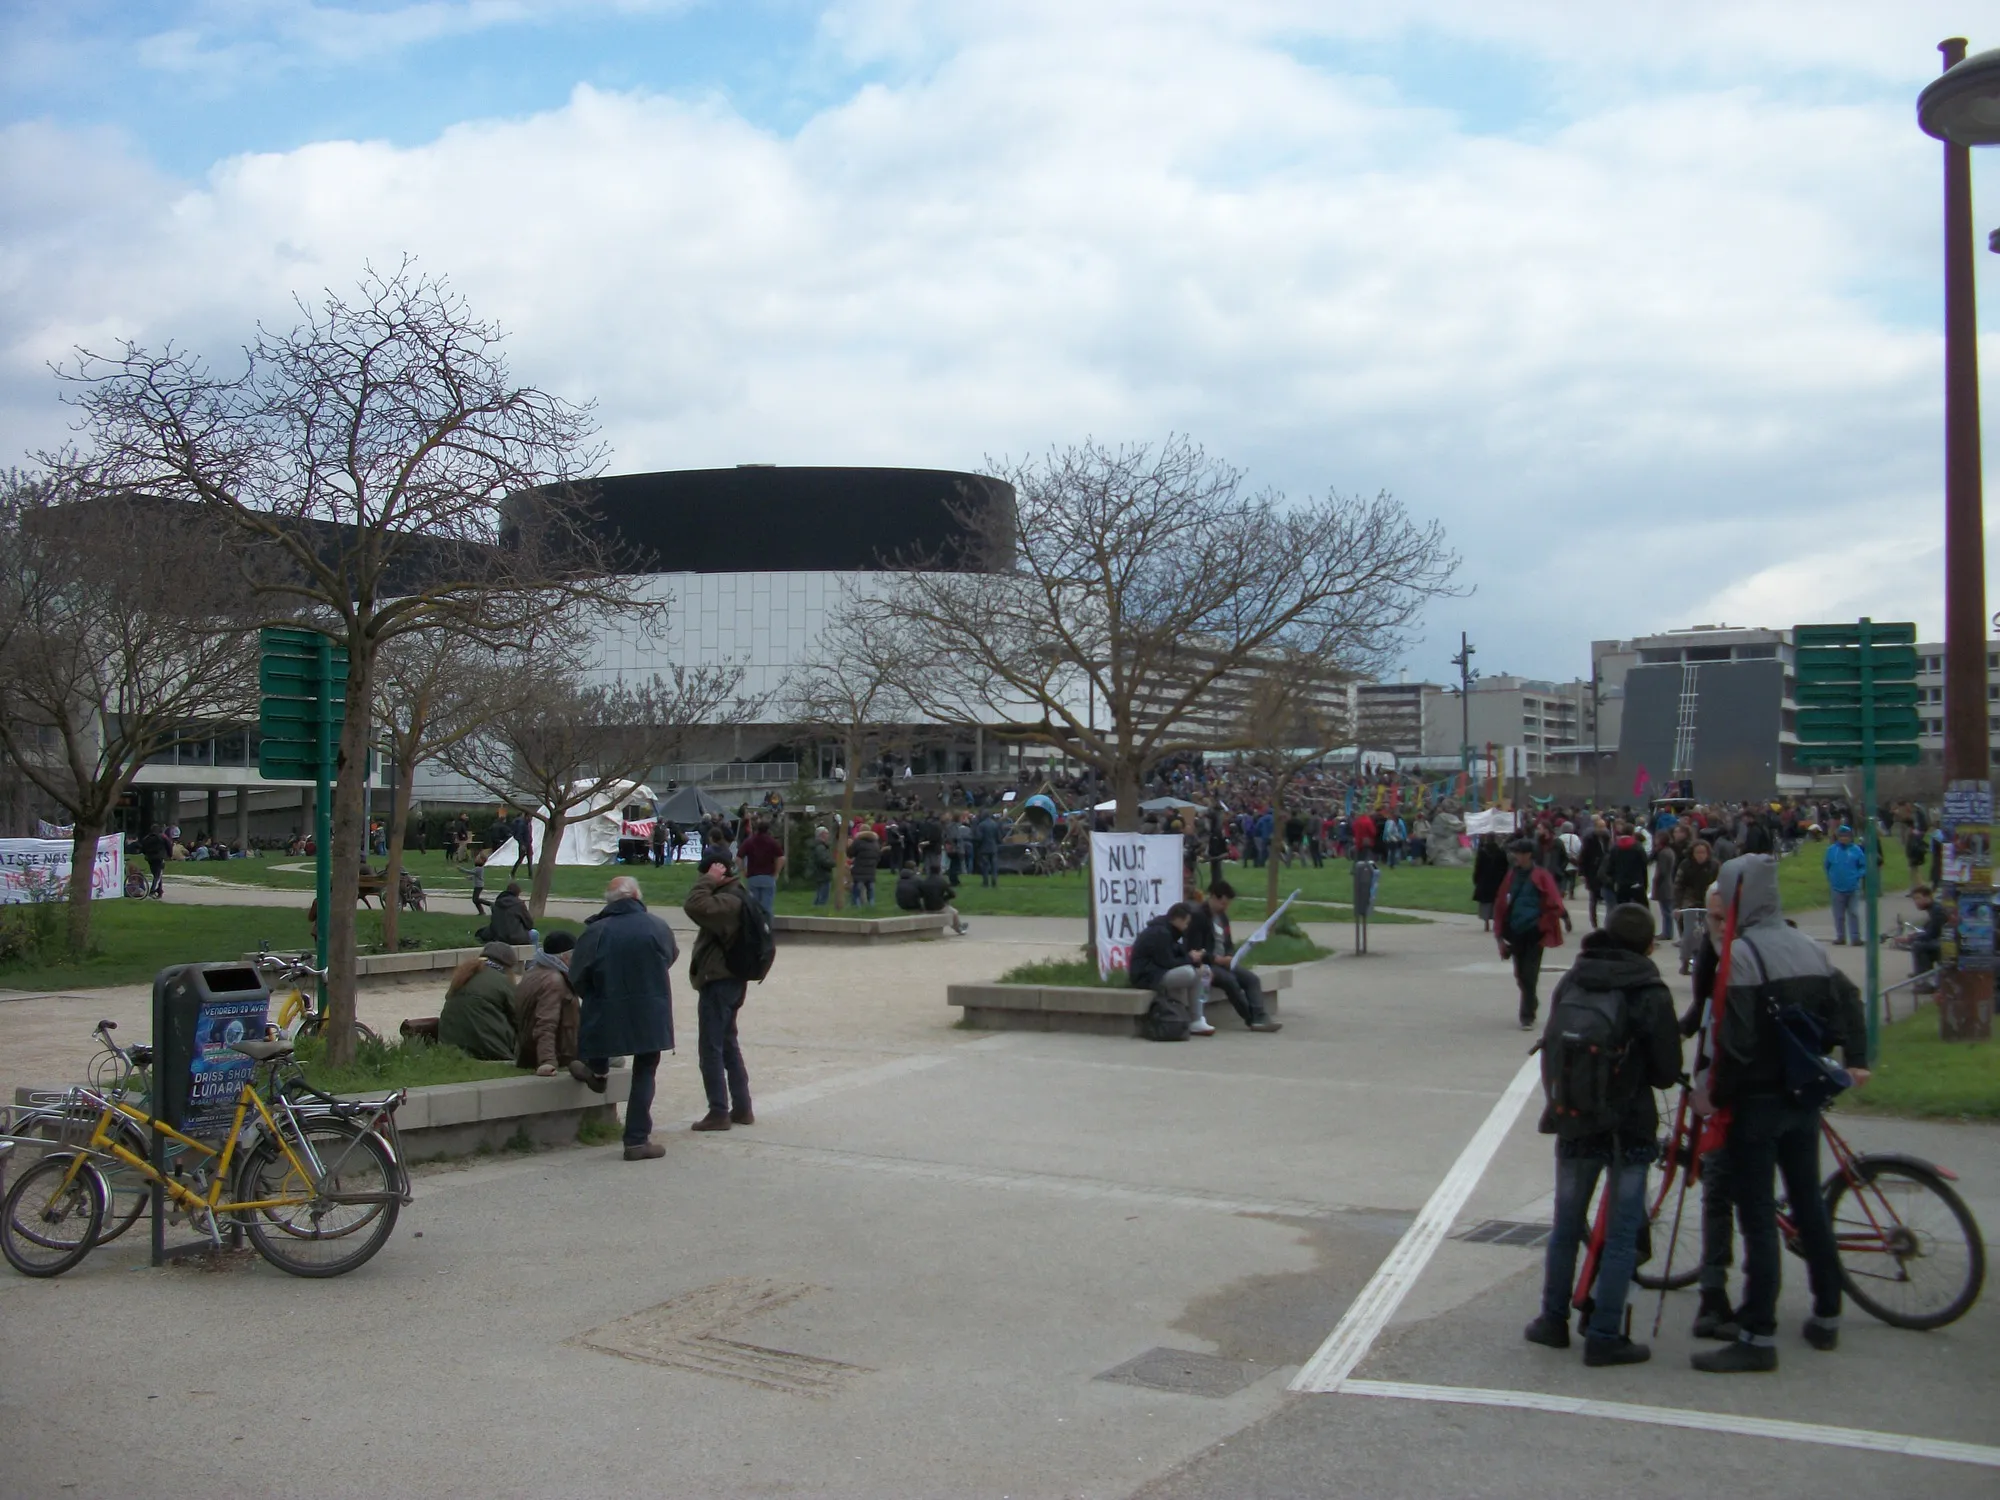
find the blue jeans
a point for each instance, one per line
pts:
(639, 1107)
(765, 889)
(988, 861)
(823, 892)
(1846, 916)
(864, 893)
(1576, 1179)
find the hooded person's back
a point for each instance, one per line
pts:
(1797, 971)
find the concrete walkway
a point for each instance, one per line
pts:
(948, 1263)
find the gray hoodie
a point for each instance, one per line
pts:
(1798, 972)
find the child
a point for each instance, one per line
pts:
(479, 882)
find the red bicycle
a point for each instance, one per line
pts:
(1911, 1253)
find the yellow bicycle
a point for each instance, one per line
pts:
(315, 1182)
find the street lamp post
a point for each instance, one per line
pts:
(1466, 673)
(1962, 109)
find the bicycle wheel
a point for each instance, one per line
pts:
(334, 1225)
(1910, 1250)
(47, 1226)
(127, 1193)
(1675, 1263)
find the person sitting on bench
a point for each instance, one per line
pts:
(1208, 933)
(510, 922)
(1160, 962)
(929, 893)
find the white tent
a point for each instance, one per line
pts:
(592, 833)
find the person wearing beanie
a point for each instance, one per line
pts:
(1605, 1123)
(1528, 916)
(478, 1013)
(546, 1009)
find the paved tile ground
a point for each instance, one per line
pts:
(908, 1277)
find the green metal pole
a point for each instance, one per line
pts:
(323, 806)
(1872, 847)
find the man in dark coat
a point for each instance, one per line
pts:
(510, 922)
(986, 835)
(1160, 962)
(620, 973)
(1528, 916)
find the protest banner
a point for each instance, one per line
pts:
(1133, 878)
(38, 870)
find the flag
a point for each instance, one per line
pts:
(1640, 782)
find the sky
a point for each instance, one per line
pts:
(1643, 302)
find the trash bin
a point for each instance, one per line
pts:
(198, 1011)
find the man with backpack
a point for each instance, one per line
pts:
(1785, 1008)
(732, 947)
(1611, 1039)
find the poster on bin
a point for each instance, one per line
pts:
(1134, 878)
(217, 1074)
(38, 870)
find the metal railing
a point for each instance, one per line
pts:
(726, 773)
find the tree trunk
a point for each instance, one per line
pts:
(392, 875)
(851, 749)
(545, 862)
(350, 781)
(1125, 787)
(82, 860)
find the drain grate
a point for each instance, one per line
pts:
(1506, 1232)
(1186, 1372)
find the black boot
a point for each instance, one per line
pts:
(1614, 1351)
(1738, 1358)
(1552, 1333)
(1715, 1319)
(1824, 1337)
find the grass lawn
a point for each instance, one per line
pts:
(1015, 896)
(381, 1066)
(134, 940)
(1281, 949)
(1921, 1075)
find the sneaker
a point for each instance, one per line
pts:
(715, 1119)
(1527, 1023)
(1738, 1358)
(1204, 1029)
(1551, 1333)
(1824, 1337)
(645, 1151)
(580, 1071)
(742, 1116)
(1716, 1319)
(1267, 1026)
(1614, 1351)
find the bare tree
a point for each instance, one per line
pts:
(1121, 586)
(113, 643)
(562, 749)
(1289, 721)
(435, 688)
(384, 474)
(855, 688)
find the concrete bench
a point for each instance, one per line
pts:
(1063, 1007)
(905, 927)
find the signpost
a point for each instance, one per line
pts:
(1856, 687)
(303, 678)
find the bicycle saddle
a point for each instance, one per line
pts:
(262, 1051)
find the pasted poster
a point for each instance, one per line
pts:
(38, 870)
(217, 1074)
(1134, 878)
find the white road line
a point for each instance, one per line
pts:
(1669, 1416)
(1371, 1311)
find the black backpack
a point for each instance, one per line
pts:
(748, 954)
(1585, 1048)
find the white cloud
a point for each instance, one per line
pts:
(1638, 362)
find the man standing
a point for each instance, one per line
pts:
(1625, 869)
(716, 904)
(524, 844)
(820, 858)
(763, 858)
(986, 848)
(153, 848)
(1208, 935)
(620, 970)
(1775, 969)
(1528, 916)
(1846, 866)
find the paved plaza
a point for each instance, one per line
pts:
(951, 1263)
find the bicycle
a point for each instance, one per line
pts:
(316, 1187)
(1911, 1253)
(295, 1016)
(122, 1073)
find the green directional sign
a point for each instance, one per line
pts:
(1856, 689)
(302, 678)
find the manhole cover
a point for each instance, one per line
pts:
(1506, 1232)
(1185, 1371)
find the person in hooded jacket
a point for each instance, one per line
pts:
(478, 1013)
(546, 1012)
(1773, 965)
(1489, 873)
(510, 922)
(864, 856)
(620, 969)
(1625, 868)
(1528, 916)
(1613, 962)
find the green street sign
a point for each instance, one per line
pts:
(1832, 725)
(1834, 756)
(1849, 633)
(289, 679)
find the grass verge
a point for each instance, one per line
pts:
(380, 1066)
(1920, 1075)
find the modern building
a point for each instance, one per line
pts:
(1930, 701)
(1400, 717)
(1526, 714)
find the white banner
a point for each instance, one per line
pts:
(1134, 878)
(38, 870)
